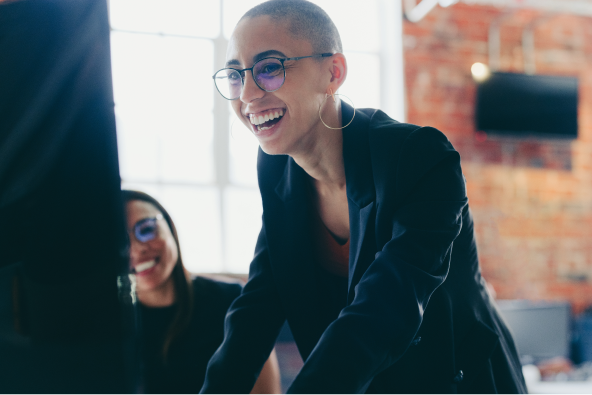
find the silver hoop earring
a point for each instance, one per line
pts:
(233, 121)
(333, 96)
(231, 126)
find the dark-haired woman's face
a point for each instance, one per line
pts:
(152, 260)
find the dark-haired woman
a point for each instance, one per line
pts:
(182, 318)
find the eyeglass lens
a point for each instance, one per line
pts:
(146, 229)
(268, 73)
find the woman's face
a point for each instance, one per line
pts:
(152, 261)
(298, 99)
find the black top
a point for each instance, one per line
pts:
(189, 354)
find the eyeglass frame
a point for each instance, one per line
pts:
(133, 230)
(282, 60)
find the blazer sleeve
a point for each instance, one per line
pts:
(376, 329)
(252, 324)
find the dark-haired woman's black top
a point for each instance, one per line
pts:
(185, 367)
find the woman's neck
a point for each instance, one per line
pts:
(322, 155)
(162, 296)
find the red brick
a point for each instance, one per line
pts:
(533, 225)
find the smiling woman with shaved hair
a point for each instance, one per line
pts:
(367, 246)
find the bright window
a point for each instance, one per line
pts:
(180, 142)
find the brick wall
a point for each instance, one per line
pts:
(531, 199)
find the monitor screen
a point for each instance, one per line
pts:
(541, 330)
(528, 105)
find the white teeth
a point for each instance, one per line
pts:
(145, 266)
(258, 120)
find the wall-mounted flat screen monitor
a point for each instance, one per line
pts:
(528, 105)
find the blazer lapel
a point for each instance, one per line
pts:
(287, 226)
(286, 219)
(360, 192)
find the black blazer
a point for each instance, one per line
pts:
(418, 317)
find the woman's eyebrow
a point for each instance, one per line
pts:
(265, 54)
(232, 62)
(259, 56)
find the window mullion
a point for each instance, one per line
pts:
(221, 141)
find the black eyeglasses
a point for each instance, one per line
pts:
(268, 73)
(146, 229)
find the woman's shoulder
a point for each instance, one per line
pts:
(223, 289)
(401, 153)
(380, 121)
(387, 135)
(383, 129)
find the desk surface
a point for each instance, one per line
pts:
(560, 387)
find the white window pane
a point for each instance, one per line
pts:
(362, 84)
(233, 11)
(188, 150)
(243, 154)
(164, 99)
(182, 17)
(242, 225)
(151, 71)
(357, 23)
(196, 213)
(138, 145)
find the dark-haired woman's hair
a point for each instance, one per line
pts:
(181, 278)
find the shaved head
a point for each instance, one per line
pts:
(305, 20)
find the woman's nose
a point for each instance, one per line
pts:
(251, 90)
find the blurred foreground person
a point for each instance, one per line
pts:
(182, 318)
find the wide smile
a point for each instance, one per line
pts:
(267, 120)
(145, 268)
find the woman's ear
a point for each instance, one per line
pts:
(338, 70)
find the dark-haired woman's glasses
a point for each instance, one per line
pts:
(146, 229)
(268, 73)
